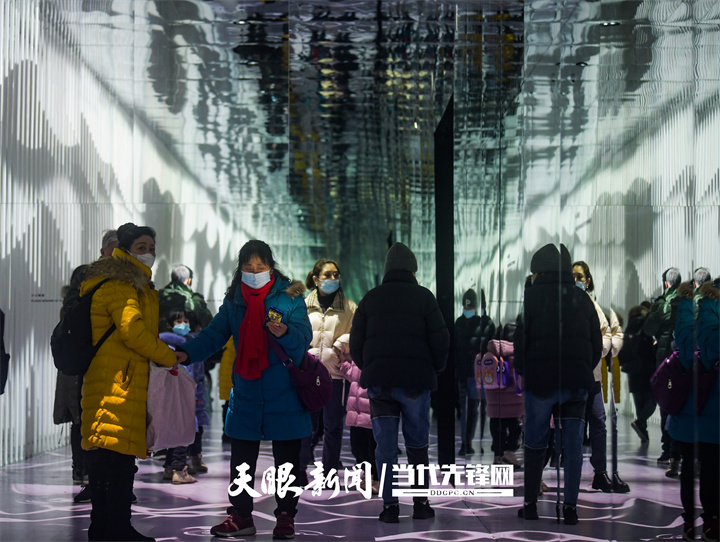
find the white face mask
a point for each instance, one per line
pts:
(147, 258)
(256, 280)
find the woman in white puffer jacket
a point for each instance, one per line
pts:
(331, 315)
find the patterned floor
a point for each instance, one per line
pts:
(36, 504)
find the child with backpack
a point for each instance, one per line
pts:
(176, 469)
(495, 372)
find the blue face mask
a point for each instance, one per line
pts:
(256, 280)
(182, 329)
(329, 286)
(580, 285)
(469, 313)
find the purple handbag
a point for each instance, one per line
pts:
(671, 384)
(312, 380)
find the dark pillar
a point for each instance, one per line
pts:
(445, 397)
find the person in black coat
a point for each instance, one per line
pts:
(473, 331)
(400, 342)
(556, 346)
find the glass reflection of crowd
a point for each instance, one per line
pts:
(542, 380)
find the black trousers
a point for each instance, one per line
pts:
(246, 452)
(362, 444)
(707, 454)
(111, 484)
(505, 434)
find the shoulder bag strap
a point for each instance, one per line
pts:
(279, 352)
(110, 329)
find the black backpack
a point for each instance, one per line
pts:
(71, 341)
(637, 350)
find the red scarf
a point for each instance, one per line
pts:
(252, 354)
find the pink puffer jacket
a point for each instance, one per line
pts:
(358, 403)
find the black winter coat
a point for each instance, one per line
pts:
(558, 341)
(399, 337)
(471, 338)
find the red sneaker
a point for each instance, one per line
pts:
(234, 525)
(285, 527)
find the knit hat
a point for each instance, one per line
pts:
(469, 300)
(401, 258)
(546, 260)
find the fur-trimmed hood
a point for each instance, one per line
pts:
(296, 288)
(123, 267)
(709, 290)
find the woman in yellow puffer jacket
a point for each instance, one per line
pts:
(114, 391)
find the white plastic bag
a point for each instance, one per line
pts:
(170, 408)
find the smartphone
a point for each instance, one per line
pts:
(274, 315)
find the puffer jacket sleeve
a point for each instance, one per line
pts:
(438, 336)
(125, 311)
(299, 331)
(212, 338)
(357, 335)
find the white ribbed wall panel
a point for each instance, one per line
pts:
(76, 159)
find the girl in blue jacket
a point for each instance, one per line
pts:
(263, 403)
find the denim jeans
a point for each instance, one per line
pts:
(568, 407)
(386, 407)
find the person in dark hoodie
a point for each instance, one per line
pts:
(556, 346)
(400, 342)
(473, 331)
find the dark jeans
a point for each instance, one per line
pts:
(176, 458)
(386, 407)
(246, 451)
(362, 444)
(644, 406)
(196, 447)
(566, 406)
(709, 472)
(334, 422)
(505, 434)
(595, 416)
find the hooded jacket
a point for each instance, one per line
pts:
(114, 392)
(399, 337)
(558, 341)
(267, 408)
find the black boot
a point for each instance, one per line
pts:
(618, 486)
(602, 482)
(421, 505)
(534, 463)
